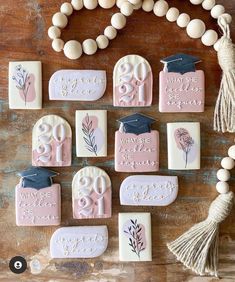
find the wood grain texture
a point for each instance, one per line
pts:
(23, 36)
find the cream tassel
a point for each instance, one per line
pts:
(197, 248)
(224, 115)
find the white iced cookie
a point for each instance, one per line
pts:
(25, 85)
(91, 193)
(183, 141)
(132, 82)
(79, 242)
(51, 142)
(91, 133)
(135, 242)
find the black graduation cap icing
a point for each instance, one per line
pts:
(37, 177)
(136, 123)
(180, 63)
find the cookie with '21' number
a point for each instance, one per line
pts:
(132, 82)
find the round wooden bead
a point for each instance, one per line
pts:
(120, 2)
(73, 49)
(90, 4)
(196, 2)
(137, 6)
(183, 20)
(134, 2)
(127, 9)
(66, 8)
(222, 187)
(172, 14)
(106, 4)
(216, 45)
(58, 44)
(102, 41)
(227, 17)
(217, 10)
(54, 32)
(209, 37)
(147, 5)
(208, 4)
(118, 21)
(195, 28)
(89, 46)
(231, 152)
(110, 32)
(59, 20)
(77, 4)
(227, 163)
(223, 174)
(160, 8)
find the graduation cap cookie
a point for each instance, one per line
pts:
(132, 82)
(37, 199)
(181, 86)
(136, 145)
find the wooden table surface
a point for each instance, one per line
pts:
(23, 36)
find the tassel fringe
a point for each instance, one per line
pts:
(224, 115)
(197, 248)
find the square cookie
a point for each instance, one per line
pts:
(135, 242)
(25, 85)
(91, 133)
(183, 140)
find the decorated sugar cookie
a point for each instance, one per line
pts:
(37, 199)
(132, 82)
(79, 242)
(135, 242)
(51, 142)
(25, 85)
(182, 87)
(77, 85)
(148, 190)
(136, 145)
(91, 193)
(91, 133)
(183, 140)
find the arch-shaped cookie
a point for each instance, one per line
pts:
(51, 142)
(132, 82)
(91, 193)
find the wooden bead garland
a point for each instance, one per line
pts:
(194, 28)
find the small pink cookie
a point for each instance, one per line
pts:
(37, 200)
(132, 82)
(51, 142)
(91, 193)
(182, 92)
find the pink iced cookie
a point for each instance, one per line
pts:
(137, 153)
(182, 92)
(77, 85)
(91, 193)
(51, 142)
(132, 82)
(37, 200)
